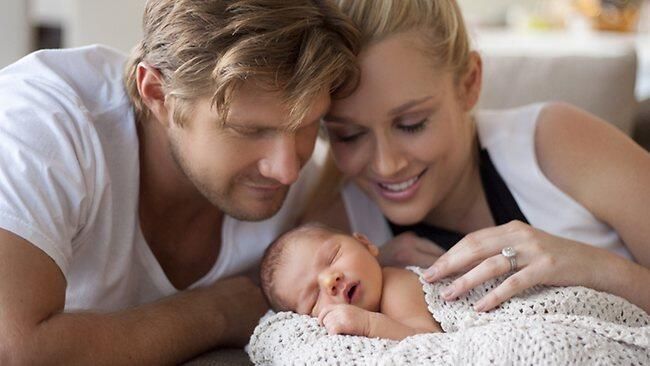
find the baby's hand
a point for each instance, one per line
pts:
(345, 319)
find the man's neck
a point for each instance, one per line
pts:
(182, 228)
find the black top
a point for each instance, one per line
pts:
(503, 207)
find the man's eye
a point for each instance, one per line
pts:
(247, 131)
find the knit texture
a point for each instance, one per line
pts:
(541, 326)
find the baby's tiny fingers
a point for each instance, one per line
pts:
(323, 313)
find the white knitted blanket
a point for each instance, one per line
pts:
(542, 326)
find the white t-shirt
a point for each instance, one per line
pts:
(509, 137)
(69, 180)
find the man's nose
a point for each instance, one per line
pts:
(281, 162)
(330, 282)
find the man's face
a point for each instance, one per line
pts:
(246, 166)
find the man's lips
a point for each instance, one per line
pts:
(265, 186)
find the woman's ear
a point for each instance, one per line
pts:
(151, 89)
(372, 248)
(470, 83)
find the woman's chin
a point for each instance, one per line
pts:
(402, 215)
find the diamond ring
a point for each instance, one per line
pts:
(511, 255)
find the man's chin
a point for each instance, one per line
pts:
(254, 210)
(252, 215)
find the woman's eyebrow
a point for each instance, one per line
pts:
(408, 105)
(330, 118)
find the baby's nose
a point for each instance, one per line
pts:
(330, 282)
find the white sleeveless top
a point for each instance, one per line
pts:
(509, 137)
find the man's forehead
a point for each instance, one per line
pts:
(251, 104)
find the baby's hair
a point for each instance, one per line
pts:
(275, 252)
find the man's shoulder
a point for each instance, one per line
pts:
(90, 76)
(69, 62)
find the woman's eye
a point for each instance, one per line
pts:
(413, 128)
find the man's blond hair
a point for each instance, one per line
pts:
(208, 48)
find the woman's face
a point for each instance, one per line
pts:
(405, 136)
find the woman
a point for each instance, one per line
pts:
(547, 192)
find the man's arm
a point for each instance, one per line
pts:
(35, 330)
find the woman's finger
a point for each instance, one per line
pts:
(488, 269)
(474, 247)
(516, 283)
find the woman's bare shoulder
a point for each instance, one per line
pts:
(600, 167)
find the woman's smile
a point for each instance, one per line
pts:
(401, 190)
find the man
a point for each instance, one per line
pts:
(124, 210)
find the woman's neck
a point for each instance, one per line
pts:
(465, 208)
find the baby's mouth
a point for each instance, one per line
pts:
(350, 293)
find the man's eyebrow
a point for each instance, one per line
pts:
(408, 105)
(336, 119)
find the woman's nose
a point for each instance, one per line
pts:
(388, 159)
(329, 281)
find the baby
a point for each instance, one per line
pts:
(336, 277)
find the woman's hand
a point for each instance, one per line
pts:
(541, 259)
(408, 249)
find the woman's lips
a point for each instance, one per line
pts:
(400, 191)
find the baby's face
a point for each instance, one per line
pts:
(339, 269)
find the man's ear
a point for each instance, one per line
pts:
(372, 248)
(151, 89)
(470, 83)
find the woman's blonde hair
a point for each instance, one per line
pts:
(207, 48)
(439, 22)
(444, 38)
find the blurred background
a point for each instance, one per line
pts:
(592, 53)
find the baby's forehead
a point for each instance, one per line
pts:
(314, 236)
